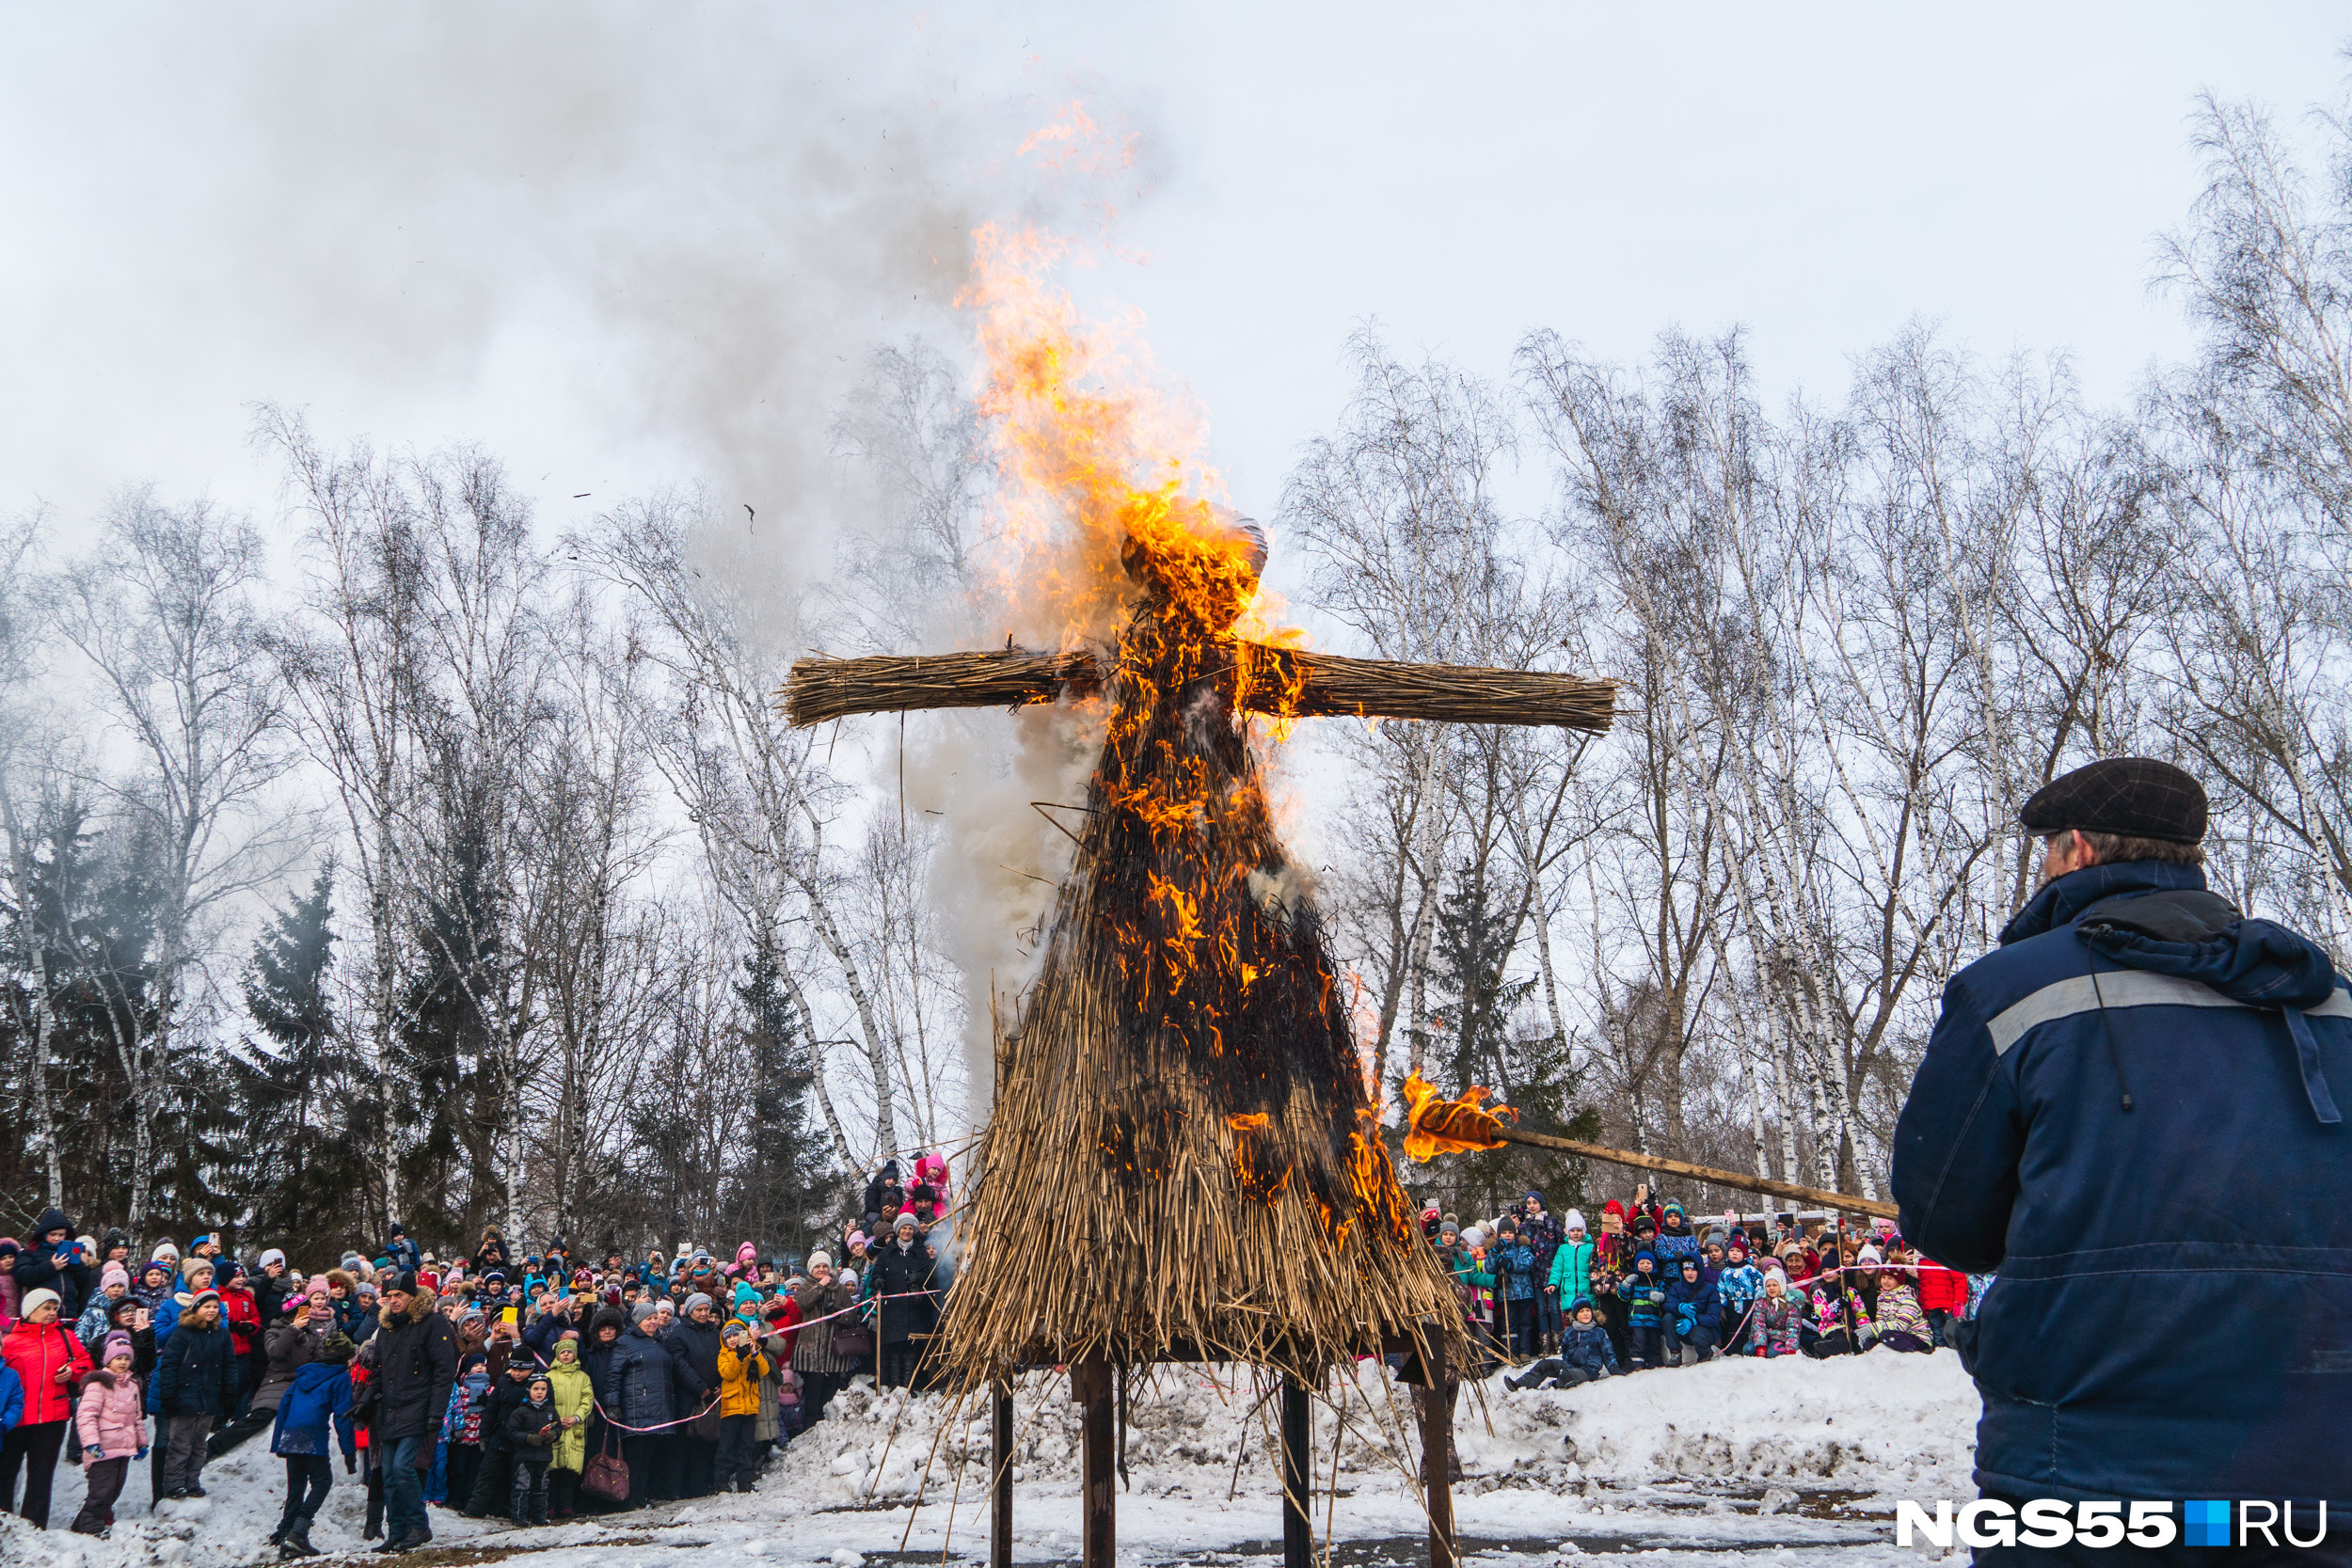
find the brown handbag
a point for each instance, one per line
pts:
(606, 1476)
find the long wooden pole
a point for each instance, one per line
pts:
(1437, 1445)
(1298, 1536)
(1739, 1181)
(1098, 1468)
(1000, 1480)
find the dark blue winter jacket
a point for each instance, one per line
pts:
(2215, 1211)
(640, 1382)
(321, 1391)
(1692, 1304)
(1516, 1262)
(1586, 1345)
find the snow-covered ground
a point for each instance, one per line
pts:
(1787, 1460)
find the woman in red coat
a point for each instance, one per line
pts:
(50, 1362)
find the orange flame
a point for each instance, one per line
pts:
(1434, 1126)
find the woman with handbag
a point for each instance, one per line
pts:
(828, 1351)
(640, 1397)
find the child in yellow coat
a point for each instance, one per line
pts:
(575, 1396)
(740, 1367)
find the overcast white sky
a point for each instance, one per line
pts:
(621, 248)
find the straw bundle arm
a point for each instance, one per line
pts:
(822, 689)
(1331, 685)
(1288, 682)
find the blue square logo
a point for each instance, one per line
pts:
(2205, 1524)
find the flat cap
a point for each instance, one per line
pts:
(2134, 796)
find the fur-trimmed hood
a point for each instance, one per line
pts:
(421, 1306)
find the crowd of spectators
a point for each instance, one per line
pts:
(1563, 1303)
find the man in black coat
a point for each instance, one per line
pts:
(416, 1364)
(197, 1379)
(694, 1343)
(51, 1262)
(640, 1393)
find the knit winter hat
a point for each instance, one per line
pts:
(848, 1277)
(1644, 1255)
(1473, 1237)
(698, 1299)
(337, 1346)
(34, 1298)
(907, 1222)
(201, 1297)
(821, 1259)
(115, 1275)
(639, 1313)
(1738, 1244)
(1447, 1227)
(1613, 1207)
(270, 1256)
(1574, 1220)
(117, 1344)
(165, 1249)
(1868, 1255)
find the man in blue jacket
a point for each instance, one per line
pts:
(2127, 1110)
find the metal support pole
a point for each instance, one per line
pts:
(1437, 1445)
(1298, 1536)
(1091, 1385)
(1000, 1480)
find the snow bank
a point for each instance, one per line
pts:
(1905, 1425)
(1660, 1451)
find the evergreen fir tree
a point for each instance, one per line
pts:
(444, 1088)
(1470, 956)
(784, 1184)
(306, 1177)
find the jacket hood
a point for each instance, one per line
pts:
(2063, 901)
(421, 1306)
(2202, 936)
(51, 1219)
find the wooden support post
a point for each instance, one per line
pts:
(1000, 1480)
(1437, 1445)
(1298, 1536)
(1091, 1385)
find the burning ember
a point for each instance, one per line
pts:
(1434, 1126)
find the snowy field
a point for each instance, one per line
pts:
(1783, 1462)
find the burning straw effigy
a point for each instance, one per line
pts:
(1184, 1160)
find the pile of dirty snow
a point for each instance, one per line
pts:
(1672, 1459)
